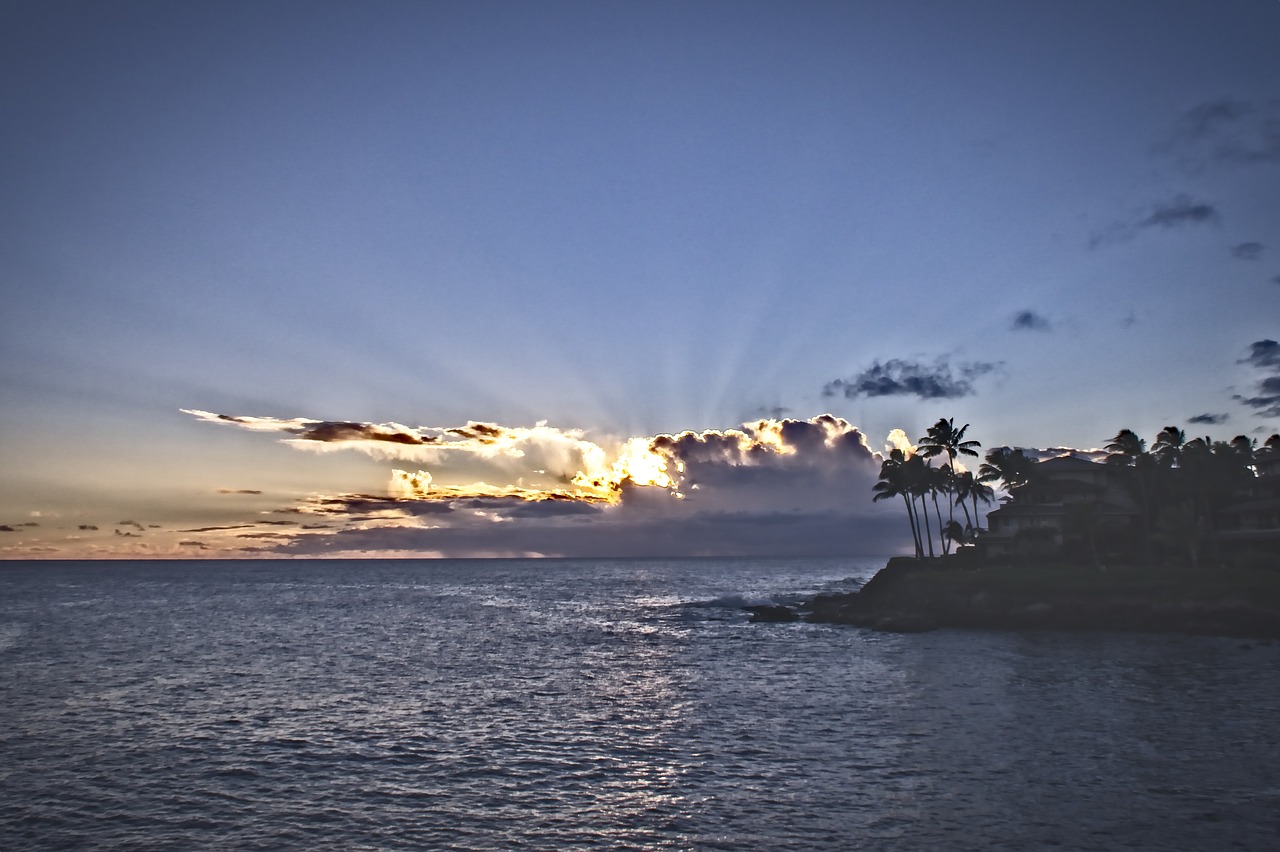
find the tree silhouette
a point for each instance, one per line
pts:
(970, 488)
(1011, 467)
(1127, 450)
(944, 438)
(919, 482)
(893, 483)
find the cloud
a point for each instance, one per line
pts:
(1208, 419)
(899, 377)
(1180, 211)
(770, 487)
(1028, 320)
(6, 528)
(239, 491)
(198, 545)
(88, 527)
(139, 527)
(545, 459)
(1225, 131)
(1247, 251)
(1264, 355)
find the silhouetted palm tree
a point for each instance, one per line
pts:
(943, 437)
(918, 482)
(939, 479)
(893, 483)
(1126, 449)
(1011, 467)
(1168, 446)
(970, 488)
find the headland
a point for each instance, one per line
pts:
(910, 595)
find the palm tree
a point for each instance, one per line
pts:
(1168, 446)
(1128, 450)
(943, 437)
(893, 483)
(939, 479)
(917, 482)
(971, 488)
(1009, 466)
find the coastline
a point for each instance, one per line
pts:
(910, 595)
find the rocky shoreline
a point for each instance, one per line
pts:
(909, 595)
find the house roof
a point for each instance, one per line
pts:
(1069, 464)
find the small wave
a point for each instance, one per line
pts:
(9, 634)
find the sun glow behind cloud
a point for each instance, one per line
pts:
(772, 486)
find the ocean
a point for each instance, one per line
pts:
(617, 704)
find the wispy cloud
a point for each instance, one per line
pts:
(1247, 251)
(1225, 131)
(1029, 320)
(1178, 212)
(940, 379)
(1207, 419)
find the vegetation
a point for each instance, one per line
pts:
(914, 478)
(1178, 486)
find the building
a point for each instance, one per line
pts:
(1067, 497)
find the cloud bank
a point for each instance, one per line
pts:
(771, 487)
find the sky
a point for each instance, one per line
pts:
(608, 278)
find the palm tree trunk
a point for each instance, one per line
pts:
(911, 518)
(942, 538)
(929, 535)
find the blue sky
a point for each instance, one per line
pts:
(621, 220)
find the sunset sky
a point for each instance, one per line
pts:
(606, 278)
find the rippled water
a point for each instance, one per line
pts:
(619, 704)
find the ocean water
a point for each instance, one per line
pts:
(612, 704)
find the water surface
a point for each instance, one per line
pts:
(620, 704)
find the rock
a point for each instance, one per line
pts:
(772, 613)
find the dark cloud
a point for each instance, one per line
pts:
(29, 524)
(1264, 355)
(1208, 419)
(218, 529)
(1225, 131)
(323, 431)
(1180, 211)
(484, 432)
(139, 527)
(1247, 251)
(238, 491)
(899, 377)
(336, 431)
(198, 545)
(1029, 320)
(6, 528)
(128, 534)
(88, 527)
